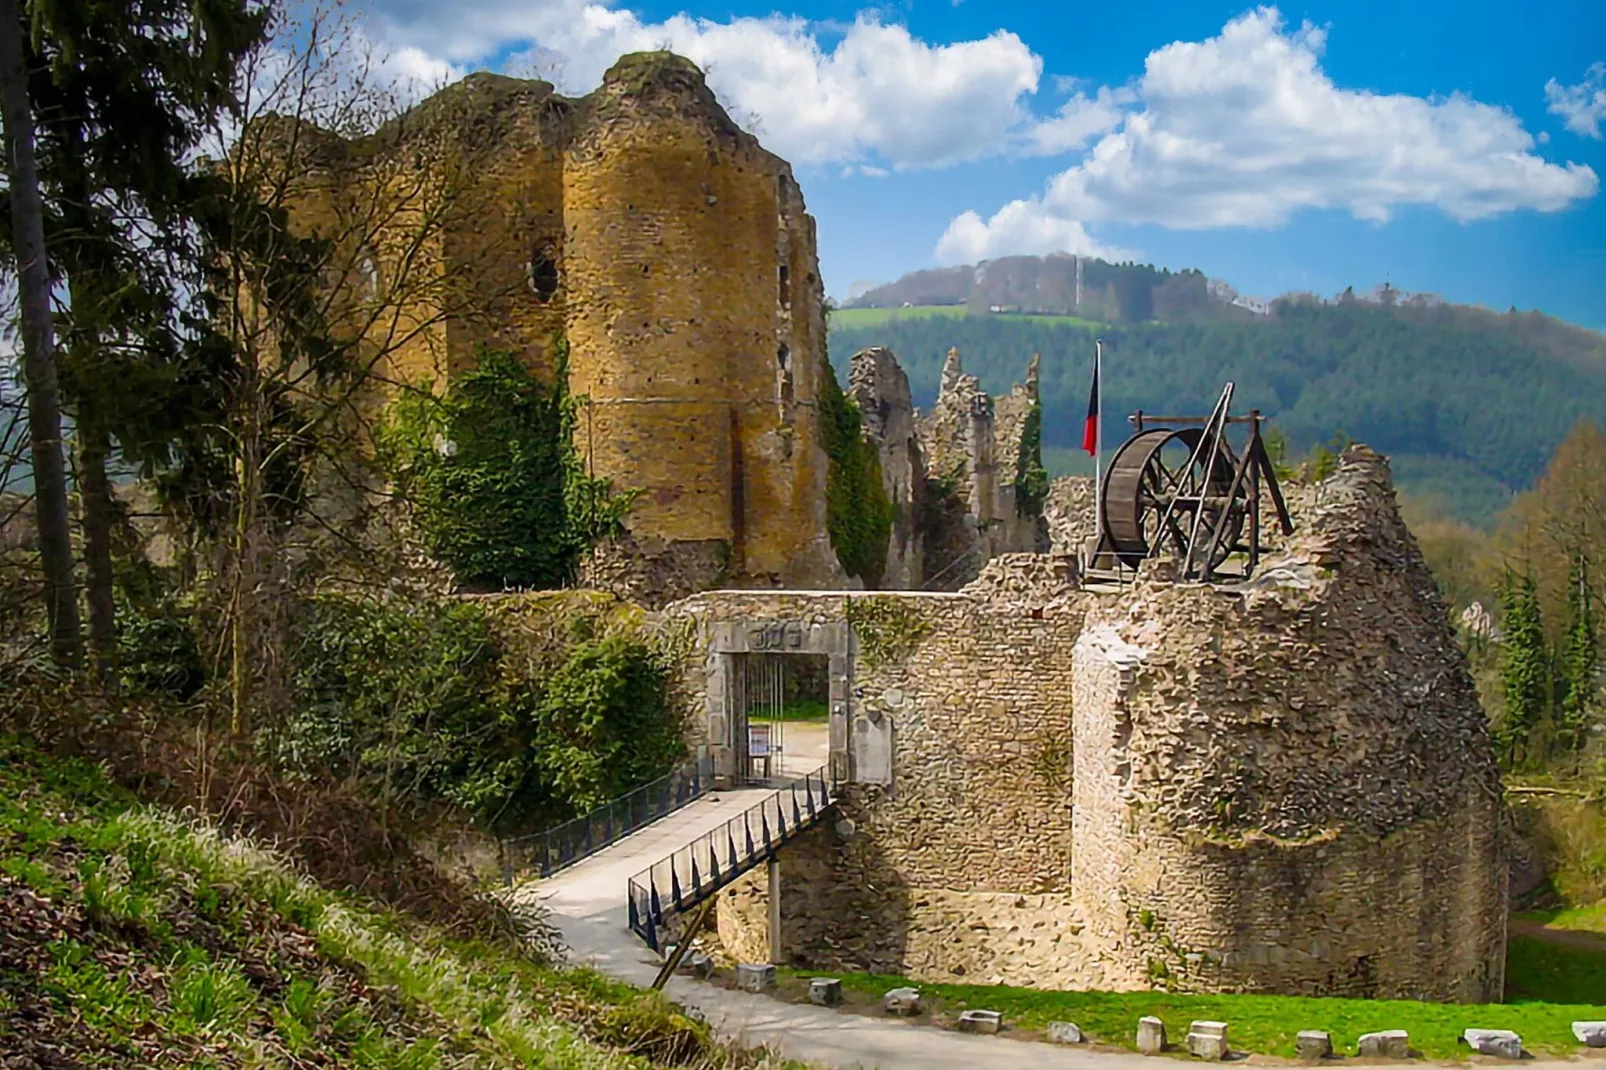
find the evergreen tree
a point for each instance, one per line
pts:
(121, 95)
(1579, 657)
(1523, 670)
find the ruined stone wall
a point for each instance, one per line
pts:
(880, 388)
(677, 259)
(1285, 758)
(1283, 786)
(972, 443)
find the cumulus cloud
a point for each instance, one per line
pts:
(1582, 106)
(1245, 129)
(877, 93)
(1020, 228)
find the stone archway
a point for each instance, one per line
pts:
(726, 704)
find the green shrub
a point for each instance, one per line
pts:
(499, 492)
(858, 515)
(412, 698)
(1031, 478)
(157, 654)
(604, 725)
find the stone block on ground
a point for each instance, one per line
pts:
(1208, 1040)
(1151, 1035)
(981, 1022)
(1065, 1032)
(825, 991)
(1501, 1042)
(701, 966)
(752, 977)
(1387, 1044)
(1313, 1045)
(1591, 1034)
(903, 1002)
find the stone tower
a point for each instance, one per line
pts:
(675, 257)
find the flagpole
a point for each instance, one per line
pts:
(1098, 450)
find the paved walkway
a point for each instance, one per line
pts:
(588, 905)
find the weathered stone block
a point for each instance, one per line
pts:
(981, 1022)
(1208, 1040)
(751, 977)
(1501, 1042)
(1388, 1044)
(1151, 1035)
(1591, 1034)
(825, 991)
(701, 966)
(1313, 1045)
(903, 1002)
(1065, 1032)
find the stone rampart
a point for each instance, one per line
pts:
(1280, 786)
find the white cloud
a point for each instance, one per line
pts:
(1019, 228)
(1581, 106)
(878, 93)
(1080, 120)
(1245, 129)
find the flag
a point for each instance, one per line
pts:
(1090, 429)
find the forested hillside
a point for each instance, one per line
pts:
(1470, 404)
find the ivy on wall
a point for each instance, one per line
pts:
(1031, 478)
(858, 514)
(887, 629)
(498, 490)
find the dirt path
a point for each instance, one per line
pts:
(1580, 939)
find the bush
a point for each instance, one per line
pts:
(414, 700)
(157, 655)
(604, 725)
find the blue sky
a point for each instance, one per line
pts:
(1452, 148)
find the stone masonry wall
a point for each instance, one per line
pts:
(676, 258)
(1284, 786)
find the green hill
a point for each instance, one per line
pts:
(1471, 403)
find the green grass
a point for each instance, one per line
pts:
(130, 937)
(1572, 919)
(876, 317)
(1267, 1025)
(806, 709)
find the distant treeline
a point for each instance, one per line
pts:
(1471, 403)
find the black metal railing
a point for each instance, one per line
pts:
(563, 845)
(713, 860)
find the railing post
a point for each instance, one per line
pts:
(696, 882)
(747, 824)
(674, 882)
(654, 904)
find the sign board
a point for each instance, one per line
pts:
(758, 740)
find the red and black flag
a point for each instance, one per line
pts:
(1090, 429)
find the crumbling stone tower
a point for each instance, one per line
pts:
(674, 257)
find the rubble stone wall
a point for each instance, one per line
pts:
(1280, 786)
(680, 266)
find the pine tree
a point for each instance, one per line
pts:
(1579, 657)
(1524, 669)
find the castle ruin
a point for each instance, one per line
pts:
(639, 242)
(1282, 785)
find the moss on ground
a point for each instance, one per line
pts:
(131, 938)
(1267, 1025)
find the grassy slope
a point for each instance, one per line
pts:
(130, 938)
(875, 317)
(1268, 1024)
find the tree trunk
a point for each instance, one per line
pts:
(38, 345)
(97, 509)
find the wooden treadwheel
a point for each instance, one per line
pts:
(1160, 498)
